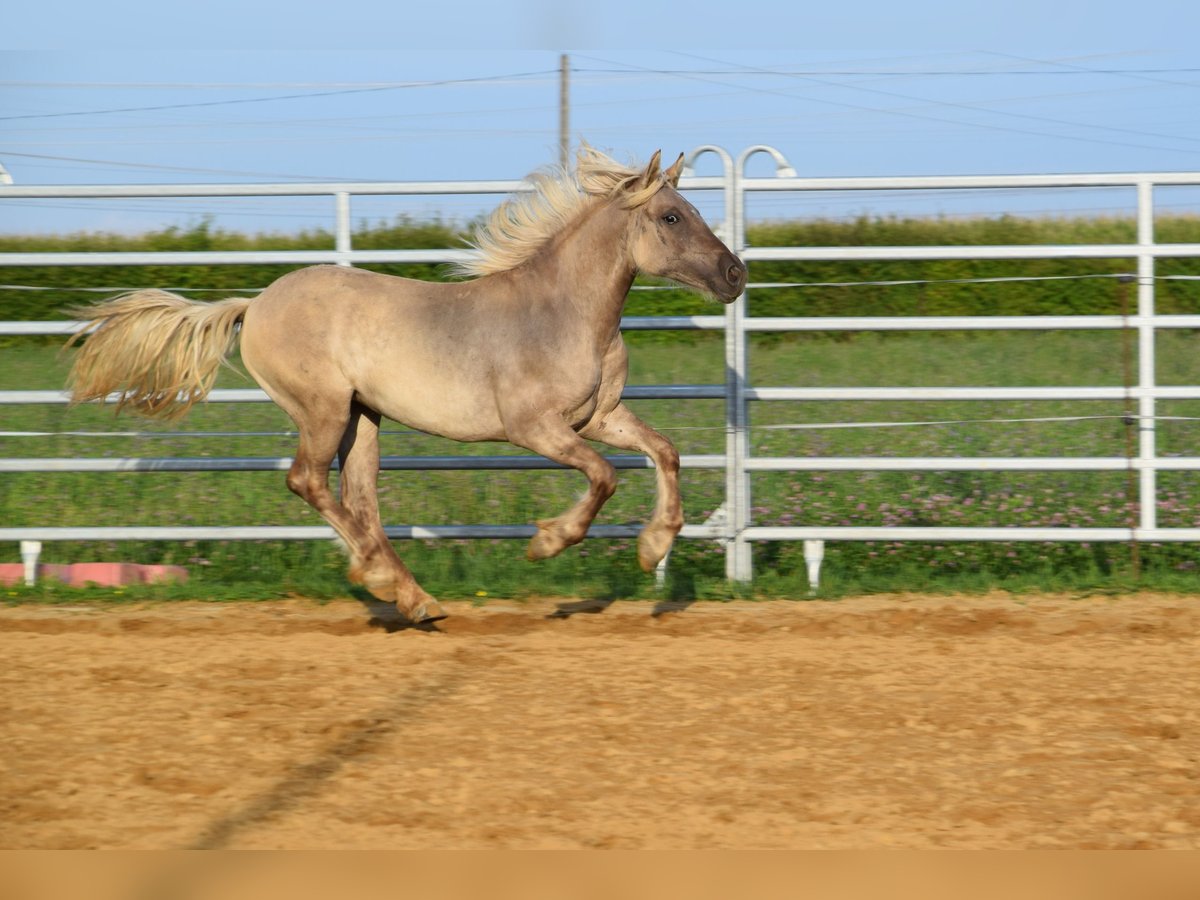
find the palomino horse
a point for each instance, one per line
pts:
(528, 350)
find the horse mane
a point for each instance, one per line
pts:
(522, 224)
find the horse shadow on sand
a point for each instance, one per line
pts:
(679, 593)
(386, 617)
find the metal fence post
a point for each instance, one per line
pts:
(739, 564)
(736, 555)
(342, 227)
(1147, 493)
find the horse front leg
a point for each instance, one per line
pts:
(555, 440)
(622, 429)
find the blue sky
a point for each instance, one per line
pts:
(859, 89)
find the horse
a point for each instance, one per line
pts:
(525, 347)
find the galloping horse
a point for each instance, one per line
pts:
(526, 349)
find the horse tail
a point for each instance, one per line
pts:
(157, 351)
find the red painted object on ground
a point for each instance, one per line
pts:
(102, 574)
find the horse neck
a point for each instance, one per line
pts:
(590, 266)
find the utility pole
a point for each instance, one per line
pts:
(564, 111)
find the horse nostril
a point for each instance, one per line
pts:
(734, 274)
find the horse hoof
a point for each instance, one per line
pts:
(551, 539)
(543, 545)
(427, 613)
(652, 549)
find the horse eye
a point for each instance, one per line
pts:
(670, 218)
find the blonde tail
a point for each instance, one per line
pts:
(158, 351)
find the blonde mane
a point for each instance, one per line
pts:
(521, 225)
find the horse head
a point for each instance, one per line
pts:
(670, 239)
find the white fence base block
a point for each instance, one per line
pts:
(30, 551)
(814, 555)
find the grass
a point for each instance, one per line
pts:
(608, 569)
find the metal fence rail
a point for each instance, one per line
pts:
(735, 525)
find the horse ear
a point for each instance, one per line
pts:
(652, 168)
(671, 175)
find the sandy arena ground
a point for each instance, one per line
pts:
(890, 721)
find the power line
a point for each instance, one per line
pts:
(898, 112)
(973, 108)
(305, 96)
(1070, 69)
(1075, 68)
(158, 167)
(893, 73)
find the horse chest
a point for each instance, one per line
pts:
(599, 399)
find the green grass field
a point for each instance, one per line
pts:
(607, 568)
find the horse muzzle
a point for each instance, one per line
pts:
(734, 277)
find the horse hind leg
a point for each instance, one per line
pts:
(373, 562)
(322, 428)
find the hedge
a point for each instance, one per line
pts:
(937, 294)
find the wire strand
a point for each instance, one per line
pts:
(798, 426)
(758, 285)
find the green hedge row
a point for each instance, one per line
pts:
(938, 294)
(210, 282)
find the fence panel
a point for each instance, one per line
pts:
(734, 524)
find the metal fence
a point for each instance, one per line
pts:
(734, 525)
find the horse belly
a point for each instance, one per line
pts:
(449, 410)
